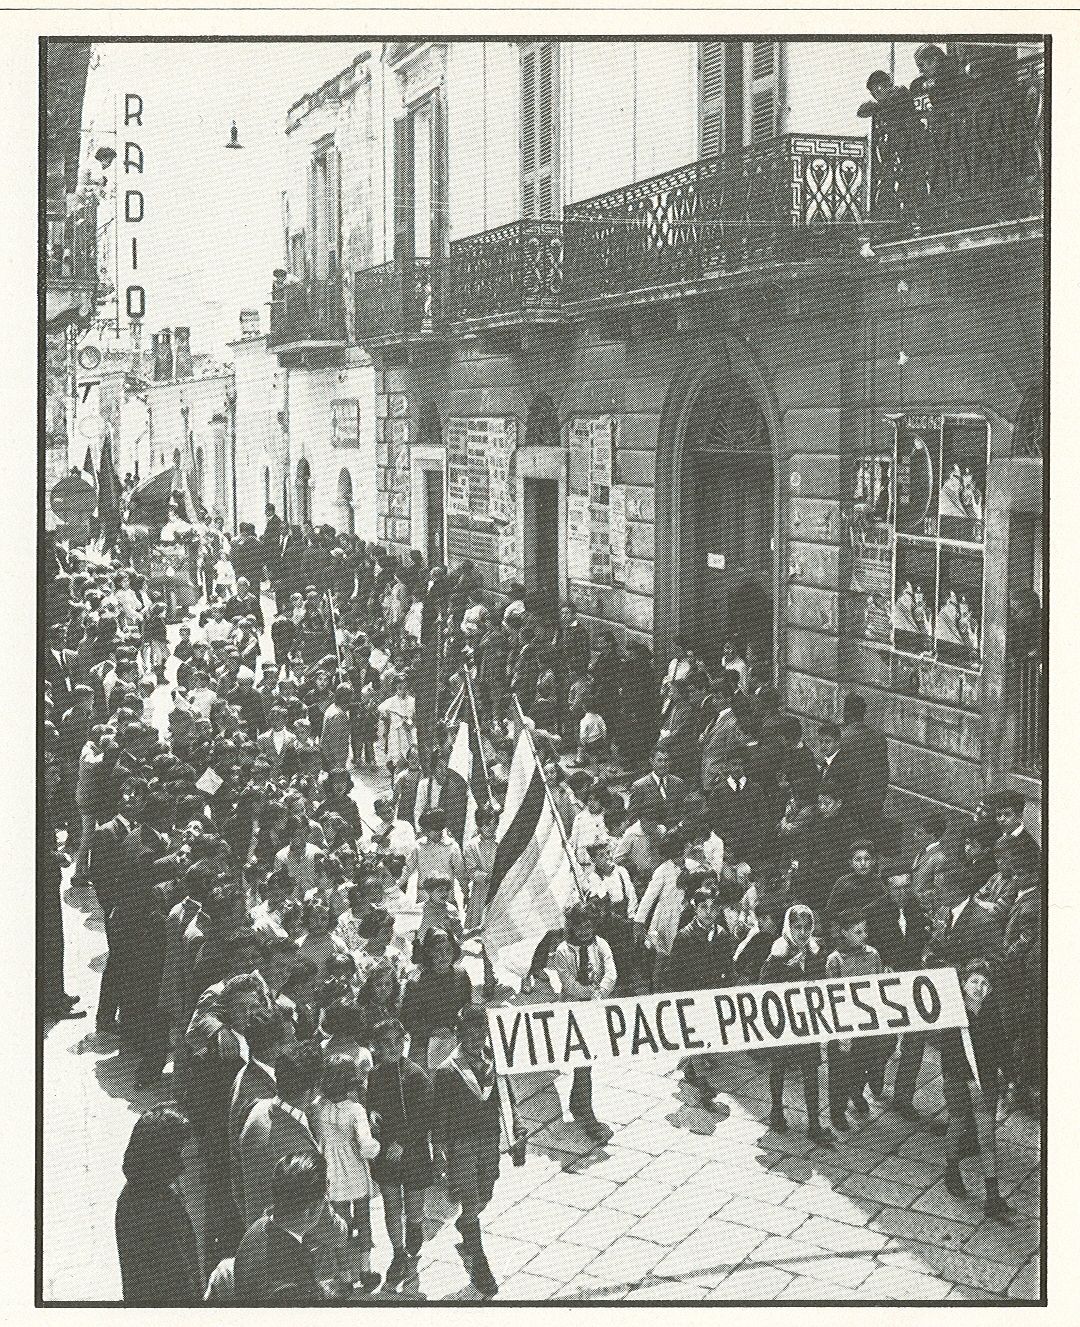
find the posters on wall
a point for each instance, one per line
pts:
(480, 496)
(872, 547)
(617, 531)
(457, 469)
(596, 534)
(345, 423)
(577, 537)
(917, 536)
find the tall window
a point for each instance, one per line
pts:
(720, 89)
(420, 181)
(324, 211)
(540, 129)
(764, 80)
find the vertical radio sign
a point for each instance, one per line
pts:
(134, 203)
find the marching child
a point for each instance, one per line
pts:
(854, 1063)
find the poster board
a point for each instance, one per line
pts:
(592, 558)
(345, 422)
(917, 531)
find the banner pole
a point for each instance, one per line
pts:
(479, 734)
(574, 864)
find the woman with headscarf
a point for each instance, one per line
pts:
(796, 956)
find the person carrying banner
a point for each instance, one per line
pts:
(586, 970)
(796, 956)
(701, 960)
(465, 1130)
(971, 1089)
(854, 1063)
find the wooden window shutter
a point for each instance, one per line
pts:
(439, 200)
(711, 84)
(539, 130)
(403, 190)
(764, 68)
(314, 238)
(333, 211)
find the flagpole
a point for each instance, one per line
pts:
(333, 628)
(479, 733)
(575, 865)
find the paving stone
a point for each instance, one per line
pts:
(560, 1261)
(880, 1191)
(848, 1156)
(569, 1139)
(801, 1258)
(901, 1283)
(841, 1236)
(441, 1279)
(587, 1288)
(679, 1214)
(541, 1108)
(610, 1163)
(818, 1200)
(920, 1226)
(506, 1254)
(524, 1286)
(938, 1201)
(538, 1222)
(752, 1282)
(906, 1170)
(951, 1264)
(626, 1261)
(615, 1106)
(710, 1253)
(924, 1147)
(1025, 1284)
(969, 1295)
(671, 1169)
(658, 1289)
(806, 1288)
(582, 1191)
(809, 1170)
(637, 1196)
(1022, 1129)
(600, 1227)
(647, 1136)
(769, 1217)
(1010, 1243)
(765, 1185)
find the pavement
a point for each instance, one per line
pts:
(682, 1203)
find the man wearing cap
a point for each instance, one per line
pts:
(1009, 814)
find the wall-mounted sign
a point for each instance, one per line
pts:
(716, 561)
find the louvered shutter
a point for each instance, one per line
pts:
(764, 67)
(439, 202)
(333, 211)
(539, 130)
(403, 190)
(711, 83)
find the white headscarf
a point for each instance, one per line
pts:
(785, 945)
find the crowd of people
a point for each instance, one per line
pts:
(302, 969)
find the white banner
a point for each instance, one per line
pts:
(532, 1038)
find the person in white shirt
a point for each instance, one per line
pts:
(586, 970)
(396, 836)
(589, 827)
(656, 922)
(217, 629)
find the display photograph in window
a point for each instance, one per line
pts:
(914, 596)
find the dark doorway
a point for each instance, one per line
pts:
(433, 505)
(542, 545)
(726, 542)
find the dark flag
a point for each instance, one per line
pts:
(108, 508)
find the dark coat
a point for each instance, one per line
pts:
(699, 961)
(273, 1267)
(106, 855)
(645, 794)
(900, 952)
(864, 760)
(159, 1260)
(575, 647)
(248, 559)
(400, 1094)
(742, 820)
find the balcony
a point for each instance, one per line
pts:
(308, 316)
(396, 302)
(794, 199)
(977, 161)
(71, 262)
(508, 275)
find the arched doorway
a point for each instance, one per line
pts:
(346, 514)
(723, 522)
(303, 492)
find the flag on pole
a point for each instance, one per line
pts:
(465, 783)
(534, 875)
(108, 508)
(88, 467)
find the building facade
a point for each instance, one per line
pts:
(669, 329)
(325, 379)
(70, 241)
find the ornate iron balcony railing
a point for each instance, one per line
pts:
(72, 245)
(396, 301)
(505, 275)
(974, 160)
(791, 199)
(311, 311)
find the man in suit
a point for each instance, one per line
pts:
(278, 1127)
(106, 878)
(269, 1034)
(273, 1264)
(247, 557)
(964, 929)
(57, 668)
(864, 761)
(1010, 807)
(721, 735)
(272, 538)
(659, 791)
(931, 862)
(739, 813)
(898, 928)
(289, 566)
(278, 746)
(573, 642)
(797, 763)
(244, 603)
